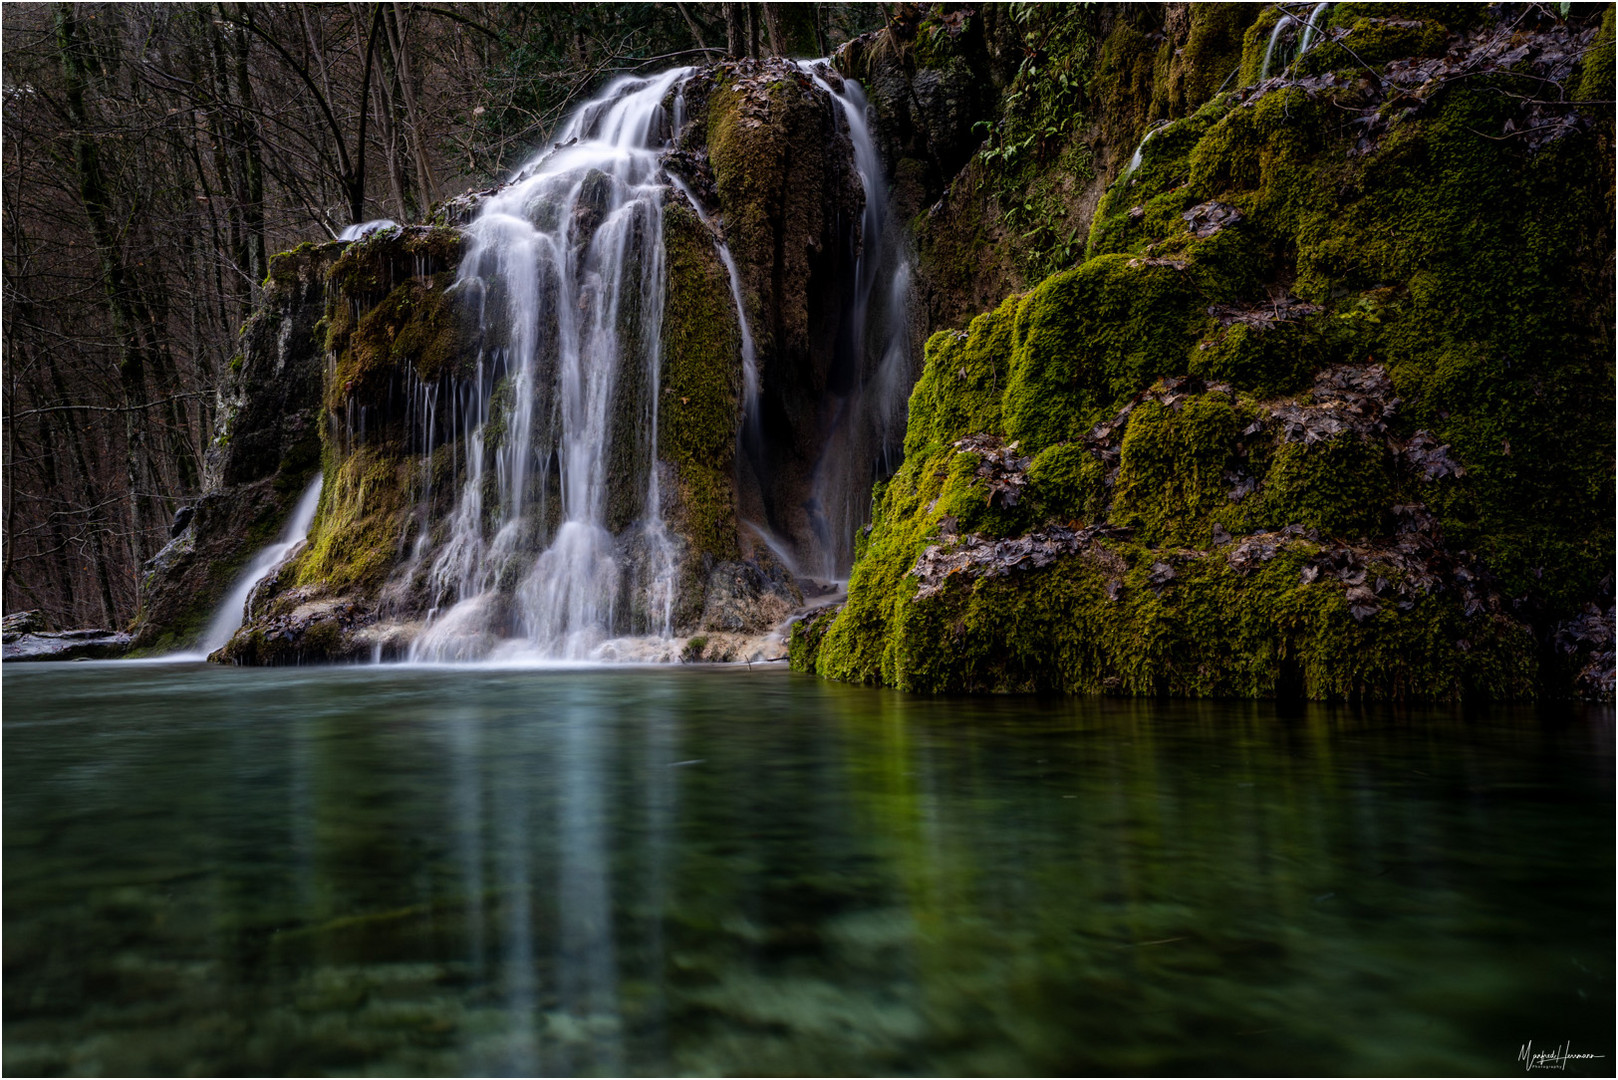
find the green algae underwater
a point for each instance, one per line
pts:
(716, 871)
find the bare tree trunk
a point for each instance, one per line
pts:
(691, 24)
(772, 27)
(413, 120)
(93, 195)
(736, 29)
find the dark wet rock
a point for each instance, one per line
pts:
(1588, 640)
(1428, 459)
(316, 631)
(1162, 574)
(21, 622)
(1003, 471)
(65, 645)
(1206, 219)
(1346, 399)
(744, 597)
(265, 448)
(1262, 315)
(977, 556)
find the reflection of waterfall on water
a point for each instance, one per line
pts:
(868, 427)
(230, 614)
(566, 264)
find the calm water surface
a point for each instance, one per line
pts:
(374, 871)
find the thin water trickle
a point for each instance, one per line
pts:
(366, 228)
(868, 417)
(229, 616)
(1280, 24)
(1311, 28)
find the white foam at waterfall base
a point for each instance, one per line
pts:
(232, 611)
(569, 292)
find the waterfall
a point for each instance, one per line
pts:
(1311, 28)
(364, 229)
(870, 414)
(1280, 24)
(566, 265)
(553, 545)
(228, 617)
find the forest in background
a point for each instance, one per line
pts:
(155, 156)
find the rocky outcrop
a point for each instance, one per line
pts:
(1325, 411)
(25, 637)
(265, 449)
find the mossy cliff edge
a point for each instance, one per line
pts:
(265, 450)
(1325, 411)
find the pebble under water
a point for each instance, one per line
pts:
(715, 871)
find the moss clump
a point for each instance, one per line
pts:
(355, 538)
(1098, 624)
(1596, 70)
(1207, 63)
(698, 403)
(370, 267)
(418, 327)
(1088, 337)
(1173, 462)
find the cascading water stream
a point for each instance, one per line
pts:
(1306, 38)
(841, 480)
(232, 611)
(556, 432)
(1311, 28)
(566, 263)
(1280, 24)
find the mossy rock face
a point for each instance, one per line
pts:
(394, 318)
(1326, 412)
(264, 451)
(359, 526)
(699, 405)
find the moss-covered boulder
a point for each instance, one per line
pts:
(1326, 412)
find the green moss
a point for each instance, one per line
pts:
(1207, 63)
(961, 384)
(355, 537)
(1087, 338)
(1211, 631)
(701, 382)
(370, 267)
(1171, 476)
(1467, 264)
(1343, 487)
(418, 326)
(1596, 69)
(1068, 483)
